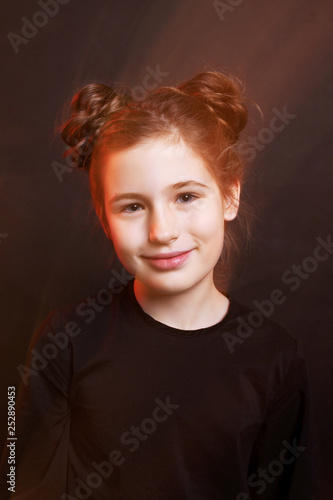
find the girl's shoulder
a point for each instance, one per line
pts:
(253, 334)
(251, 322)
(79, 317)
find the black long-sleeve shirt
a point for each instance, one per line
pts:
(117, 405)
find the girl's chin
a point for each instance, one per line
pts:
(165, 285)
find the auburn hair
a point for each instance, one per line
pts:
(207, 113)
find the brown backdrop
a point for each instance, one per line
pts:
(51, 252)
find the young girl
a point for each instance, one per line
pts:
(165, 387)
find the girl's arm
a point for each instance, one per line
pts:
(43, 416)
(285, 460)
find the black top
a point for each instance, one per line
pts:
(117, 405)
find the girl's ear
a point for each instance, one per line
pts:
(101, 215)
(231, 204)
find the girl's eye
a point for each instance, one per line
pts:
(133, 207)
(186, 197)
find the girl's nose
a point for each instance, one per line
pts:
(163, 226)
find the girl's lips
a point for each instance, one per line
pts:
(169, 260)
(166, 255)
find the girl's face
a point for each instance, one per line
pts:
(161, 199)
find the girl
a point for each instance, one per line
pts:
(164, 388)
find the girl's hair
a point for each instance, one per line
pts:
(207, 113)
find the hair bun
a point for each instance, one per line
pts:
(91, 108)
(223, 95)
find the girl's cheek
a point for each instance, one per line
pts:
(118, 227)
(203, 221)
(120, 233)
(129, 234)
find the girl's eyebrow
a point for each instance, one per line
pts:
(196, 184)
(178, 185)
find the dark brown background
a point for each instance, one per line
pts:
(53, 254)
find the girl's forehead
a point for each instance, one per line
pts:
(156, 159)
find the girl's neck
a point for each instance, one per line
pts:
(198, 307)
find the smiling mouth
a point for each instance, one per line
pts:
(167, 255)
(170, 260)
